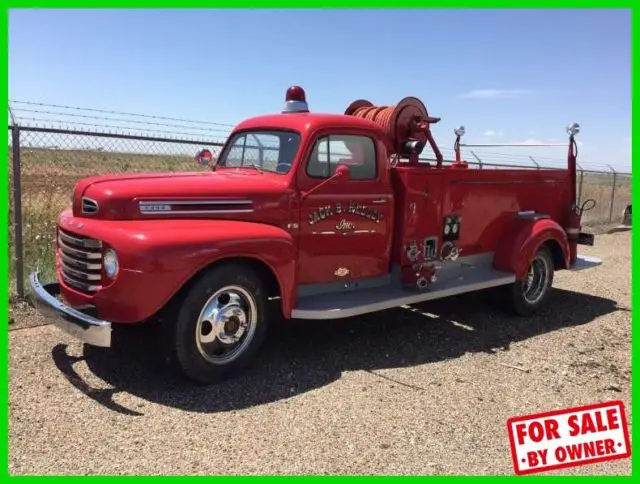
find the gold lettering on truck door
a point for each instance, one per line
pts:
(352, 208)
(345, 226)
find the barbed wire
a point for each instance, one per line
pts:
(202, 127)
(170, 135)
(85, 116)
(123, 113)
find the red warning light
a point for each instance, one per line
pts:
(296, 93)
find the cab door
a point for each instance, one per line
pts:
(345, 229)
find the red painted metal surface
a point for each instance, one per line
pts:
(518, 245)
(158, 257)
(329, 243)
(119, 195)
(307, 233)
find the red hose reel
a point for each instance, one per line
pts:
(407, 124)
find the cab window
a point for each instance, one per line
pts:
(268, 150)
(357, 152)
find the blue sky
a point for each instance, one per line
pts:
(506, 75)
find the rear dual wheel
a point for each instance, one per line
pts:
(527, 295)
(219, 326)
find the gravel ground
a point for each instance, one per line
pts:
(425, 390)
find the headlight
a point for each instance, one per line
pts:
(110, 263)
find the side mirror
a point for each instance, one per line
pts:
(204, 157)
(342, 173)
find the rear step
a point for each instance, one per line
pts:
(362, 301)
(585, 262)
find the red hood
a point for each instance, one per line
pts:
(202, 194)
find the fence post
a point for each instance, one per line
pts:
(535, 162)
(477, 158)
(613, 192)
(17, 211)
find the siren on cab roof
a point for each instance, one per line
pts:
(295, 101)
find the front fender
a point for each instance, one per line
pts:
(524, 237)
(186, 249)
(158, 257)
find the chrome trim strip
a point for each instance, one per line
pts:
(80, 263)
(86, 328)
(532, 215)
(194, 212)
(216, 201)
(83, 242)
(73, 272)
(151, 207)
(79, 284)
(80, 253)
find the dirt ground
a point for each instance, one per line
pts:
(425, 390)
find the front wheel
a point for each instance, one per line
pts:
(528, 295)
(220, 325)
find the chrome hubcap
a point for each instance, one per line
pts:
(226, 325)
(537, 280)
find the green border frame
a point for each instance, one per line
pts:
(534, 4)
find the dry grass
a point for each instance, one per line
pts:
(48, 178)
(49, 175)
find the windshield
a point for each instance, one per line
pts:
(272, 151)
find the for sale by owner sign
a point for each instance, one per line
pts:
(568, 438)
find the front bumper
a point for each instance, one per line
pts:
(86, 328)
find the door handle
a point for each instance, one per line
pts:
(380, 200)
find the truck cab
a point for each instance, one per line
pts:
(326, 215)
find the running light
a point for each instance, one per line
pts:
(573, 129)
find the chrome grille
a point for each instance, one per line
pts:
(81, 261)
(89, 206)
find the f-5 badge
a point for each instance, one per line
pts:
(341, 271)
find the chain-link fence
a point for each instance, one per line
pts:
(45, 164)
(611, 192)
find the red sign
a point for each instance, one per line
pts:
(569, 438)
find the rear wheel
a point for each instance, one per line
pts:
(528, 295)
(220, 325)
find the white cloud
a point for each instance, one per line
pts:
(494, 133)
(548, 141)
(496, 93)
(532, 142)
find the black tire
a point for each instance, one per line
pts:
(524, 300)
(192, 356)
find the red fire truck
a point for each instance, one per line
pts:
(324, 216)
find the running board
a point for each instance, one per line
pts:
(585, 262)
(362, 301)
